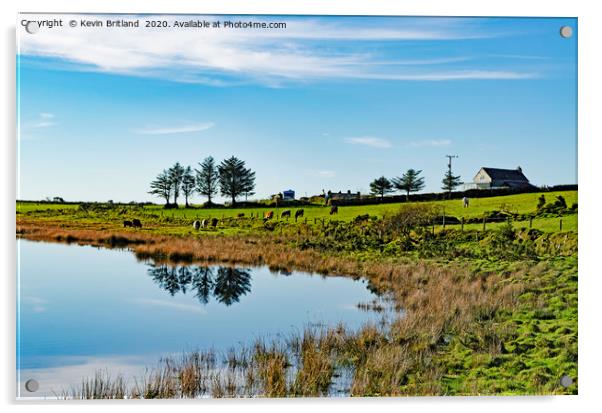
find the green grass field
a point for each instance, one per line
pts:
(520, 204)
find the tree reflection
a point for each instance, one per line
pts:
(202, 283)
(231, 284)
(227, 285)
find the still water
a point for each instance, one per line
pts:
(81, 309)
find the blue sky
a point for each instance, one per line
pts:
(327, 103)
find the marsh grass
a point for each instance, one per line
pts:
(480, 326)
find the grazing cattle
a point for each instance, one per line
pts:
(136, 223)
(298, 214)
(286, 213)
(127, 223)
(241, 214)
(465, 202)
(196, 225)
(204, 223)
(334, 210)
(214, 222)
(268, 215)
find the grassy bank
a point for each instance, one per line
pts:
(178, 221)
(485, 312)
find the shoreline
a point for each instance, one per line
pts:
(493, 316)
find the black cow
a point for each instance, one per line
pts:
(136, 223)
(286, 213)
(214, 222)
(298, 214)
(334, 210)
(127, 223)
(196, 225)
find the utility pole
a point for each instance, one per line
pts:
(449, 164)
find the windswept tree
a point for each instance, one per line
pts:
(410, 181)
(207, 179)
(176, 174)
(450, 181)
(381, 186)
(161, 186)
(234, 179)
(188, 184)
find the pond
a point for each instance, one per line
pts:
(81, 309)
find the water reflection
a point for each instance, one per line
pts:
(226, 284)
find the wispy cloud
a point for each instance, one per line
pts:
(327, 174)
(170, 304)
(173, 130)
(369, 141)
(430, 142)
(37, 304)
(308, 49)
(43, 120)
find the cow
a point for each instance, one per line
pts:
(268, 215)
(298, 214)
(204, 223)
(241, 215)
(214, 222)
(136, 223)
(465, 202)
(334, 210)
(196, 225)
(286, 213)
(127, 223)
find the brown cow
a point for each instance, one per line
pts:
(268, 215)
(286, 213)
(334, 210)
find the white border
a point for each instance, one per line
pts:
(590, 70)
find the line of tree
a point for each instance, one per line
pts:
(411, 181)
(231, 178)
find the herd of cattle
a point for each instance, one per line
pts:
(212, 222)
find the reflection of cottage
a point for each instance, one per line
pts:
(488, 178)
(288, 195)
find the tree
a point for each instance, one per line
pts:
(234, 179)
(410, 181)
(176, 174)
(207, 179)
(381, 186)
(161, 186)
(188, 184)
(450, 181)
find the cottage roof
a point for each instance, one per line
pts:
(498, 174)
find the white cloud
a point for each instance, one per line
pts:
(369, 141)
(172, 130)
(37, 304)
(43, 120)
(170, 304)
(304, 51)
(327, 174)
(431, 142)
